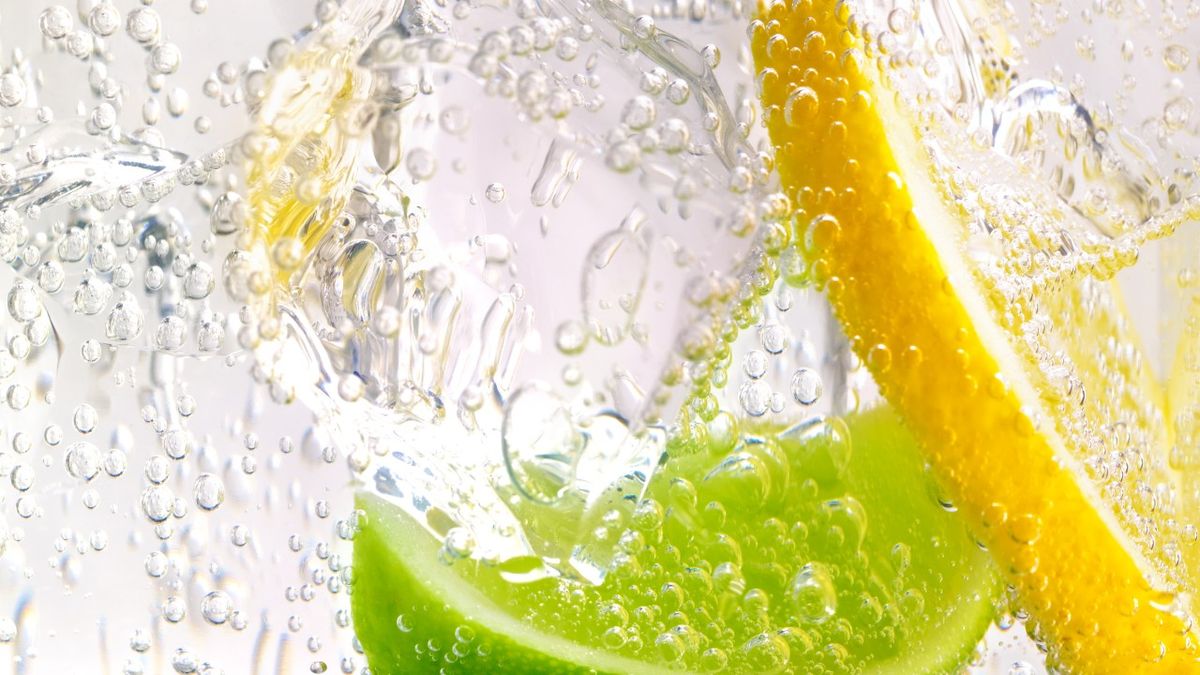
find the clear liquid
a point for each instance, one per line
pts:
(498, 307)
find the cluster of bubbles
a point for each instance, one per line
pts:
(121, 447)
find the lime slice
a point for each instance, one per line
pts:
(792, 551)
(983, 308)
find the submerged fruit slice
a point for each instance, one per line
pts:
(980, 305)
(790, 552)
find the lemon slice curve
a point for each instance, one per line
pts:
(889, 256)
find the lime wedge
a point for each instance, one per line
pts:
(795, 551)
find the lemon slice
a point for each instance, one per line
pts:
(980, 306)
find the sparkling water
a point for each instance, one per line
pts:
(468, 256)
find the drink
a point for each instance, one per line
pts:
(554, 336)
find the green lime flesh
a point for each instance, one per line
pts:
(790, 552)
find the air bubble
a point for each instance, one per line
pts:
(139, 641)
(774, 338)
(216, 607)
(1177, 112)
(115, 462)
(813, 595)
(567, 48)
(571, 337)
(766, 653)
(459, 543)
(85, 418)
(742, 478)
(800, 107)
(899, 20)
(124, 320)
(12, 90)
(21, 477)
(83, 460)
(104, 19)
(755, 398)
(165, 58)
(643, 27)
(623, 157)
(23, 302)
(177, 105)
(806, 386)
(670, 648)
(755, 363)
(678, 91)
(158, 502)
(421, 164)
(56, 21)
(209, 491)
(199, 281)
(143, 25)
(1176, 57)
(184, 662)
(639, 113)
(174, 609)
(170, 334)
(177, 443)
